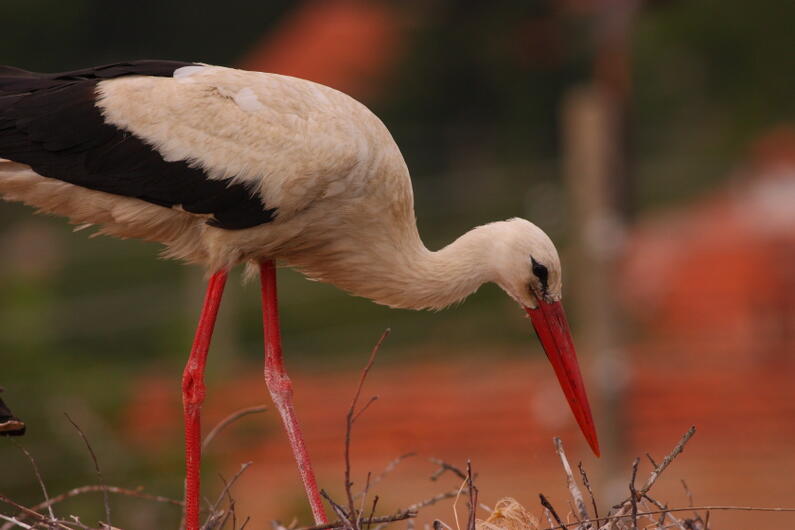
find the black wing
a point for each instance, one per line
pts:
(10, 425)
(51, 123)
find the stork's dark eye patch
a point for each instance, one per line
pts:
(541, 273)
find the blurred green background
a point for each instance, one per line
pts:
(473, 93)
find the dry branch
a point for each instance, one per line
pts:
(473, 497)
(546, 504)
(23, 515)
(105, 497)
(667, 460)
(218, 518)
(401, 516)
(14, 521)
(386, 471)
(574, 491)
(224, 423)
(666, 513)
(629, 506)
(444, 466)
(587, 485)
(417, 506)
(49, 522)
(38, 478)
(633, 493)
(627, 514)
(352, 516)
(617, 517)
(372, 510)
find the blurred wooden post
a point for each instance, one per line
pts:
(595, 139)
(590, 151)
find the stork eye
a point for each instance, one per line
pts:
(541, 273)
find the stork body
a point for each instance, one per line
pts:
(224, 167)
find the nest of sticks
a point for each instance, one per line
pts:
(358, 510)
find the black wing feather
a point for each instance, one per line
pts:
(51, 123)
(10, 425)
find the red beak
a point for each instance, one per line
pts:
(552, 329)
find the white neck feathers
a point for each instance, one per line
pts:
(409, 275)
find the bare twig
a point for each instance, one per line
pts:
(105, 496)
(232, 508)
(14, 521)
(546, 504)
(433, 500)
(38, 478)
(110, 489)
(224, 423)
(665, 514)
(372, 510)
(350, 418)
(587, 484)
(661, 520)
(340, 511)
(346, 522)
(548, 515)
(633, 493)
(455, 503)
(217, 519)
(562, 525)
(370, 401)
(364, 498)
(629, 504)
(49, 523)
(575, 492)
(473, 497)
(225, 491)
(689, 497)
(75, 522)
(400, 516)
(388, 469)
(688, 493)
(91, 489)
(444, 466)
(667, 460)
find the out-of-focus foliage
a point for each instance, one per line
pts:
(49, 35)
(709, 77)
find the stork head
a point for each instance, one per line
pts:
(527, 263)
(528, 269)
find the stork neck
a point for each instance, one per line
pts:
(397, 269)
(424, 279)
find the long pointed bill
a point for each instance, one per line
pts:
(552, 329)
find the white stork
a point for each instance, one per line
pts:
(224, 167)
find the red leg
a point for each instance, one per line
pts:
(193, 396)
(281, 388)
